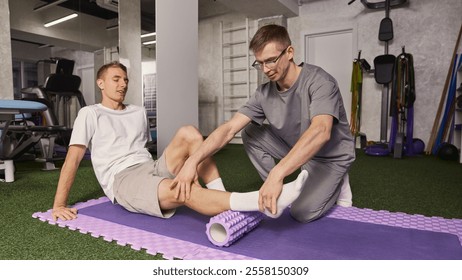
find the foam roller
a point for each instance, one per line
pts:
(229, 226)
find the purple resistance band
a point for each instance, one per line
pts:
(227, 227)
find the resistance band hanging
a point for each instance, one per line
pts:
(402, 108)
(359, 66)
(355, 89)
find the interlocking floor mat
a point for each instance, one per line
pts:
(345, 233)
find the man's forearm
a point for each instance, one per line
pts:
(66, 179)
(214, 142)
(219, 138)
(314, 138)
(67, 175)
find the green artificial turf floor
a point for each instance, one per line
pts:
(422, 185)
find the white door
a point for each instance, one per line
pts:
(87, 87)
(333, 51)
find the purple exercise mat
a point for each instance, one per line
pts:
(336, 236)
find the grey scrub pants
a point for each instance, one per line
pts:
(324, 183)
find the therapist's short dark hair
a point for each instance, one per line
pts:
(270, 33)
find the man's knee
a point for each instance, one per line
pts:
(248, 134)
(167, 196)
(305, 215)
(190, 134)
(305, 211)
(245, 135)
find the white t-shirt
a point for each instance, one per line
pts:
(116, 139)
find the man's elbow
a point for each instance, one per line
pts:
(322, 126)
(326, 138)
(230, 134)
(228, 131)
(324, 134)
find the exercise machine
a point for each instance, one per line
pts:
(16, 139)
(50, 104)
(57, 93)
(383, 70)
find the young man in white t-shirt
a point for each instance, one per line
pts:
(116, 134)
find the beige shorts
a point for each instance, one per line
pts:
(136, 187)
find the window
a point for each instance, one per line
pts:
(24, 76)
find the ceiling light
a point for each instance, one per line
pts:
(148, 34)
(45, 46)
(112, 27)
(149, 42)
(59, 20)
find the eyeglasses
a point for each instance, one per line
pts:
(270, 63)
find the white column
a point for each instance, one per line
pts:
(177, 67)
(6, 75)
(130, 48)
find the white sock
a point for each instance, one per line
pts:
(244, 201)
(345, 197)
(249, 201)
(216, 184)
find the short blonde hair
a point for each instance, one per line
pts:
(114, 64)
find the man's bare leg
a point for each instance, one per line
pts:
(213, 202)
